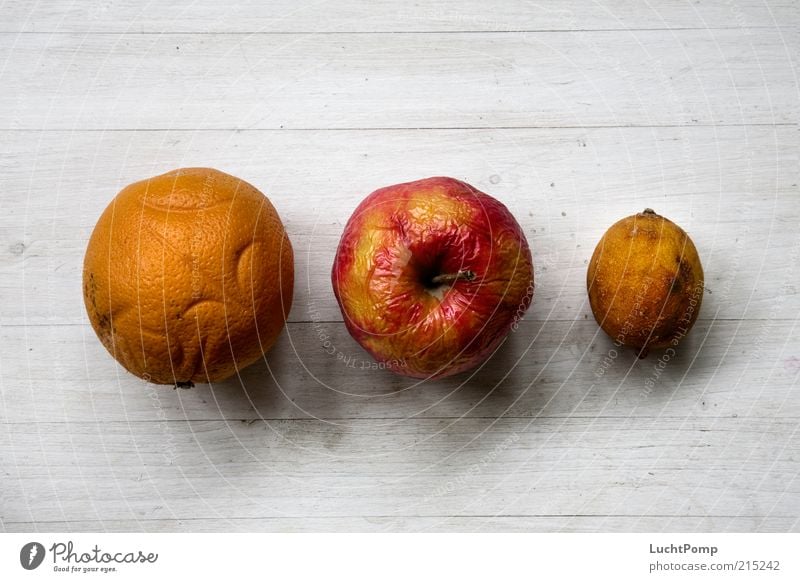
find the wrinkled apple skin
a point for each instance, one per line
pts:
(400, 238)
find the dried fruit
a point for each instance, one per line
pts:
(188, 276)
(645, 282)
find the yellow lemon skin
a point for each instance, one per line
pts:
(645, 282)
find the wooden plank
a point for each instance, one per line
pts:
(473, 467)
(733, 189)
(724, 369)
(169, 81)
(388, 16)
(515, 524)
(573, 113)
(59, 182)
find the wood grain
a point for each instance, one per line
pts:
(420, 467)
(546, 369)
(446, 524)
(223, 81)
(281, 16)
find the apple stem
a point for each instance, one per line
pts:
(449, 278)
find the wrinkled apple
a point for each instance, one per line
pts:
(431, 275)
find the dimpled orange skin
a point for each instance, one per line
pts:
(402, 236)
(645, 282)
(188, 276)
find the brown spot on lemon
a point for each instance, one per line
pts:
(167, 286)
(645, 282)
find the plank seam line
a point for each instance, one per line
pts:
(388, 129)
(402, 516)
(387, 32)
(790, 420)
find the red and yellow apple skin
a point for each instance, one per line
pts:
(431, 275)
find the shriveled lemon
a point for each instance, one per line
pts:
(645, 282)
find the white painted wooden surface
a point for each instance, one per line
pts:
(573, 113)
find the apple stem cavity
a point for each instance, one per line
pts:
(450, 278)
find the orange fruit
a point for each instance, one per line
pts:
(188, 276)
